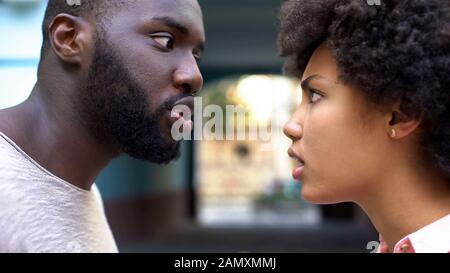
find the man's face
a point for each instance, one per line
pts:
(145, 63)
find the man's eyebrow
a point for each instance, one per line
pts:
(172, 23)
(306, 83)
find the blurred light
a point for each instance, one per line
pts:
(263, 95)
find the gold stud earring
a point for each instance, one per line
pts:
(393, 133)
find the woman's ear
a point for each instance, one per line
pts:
(399, 124)
(70, 38)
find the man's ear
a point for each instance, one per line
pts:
(70, 37)
(399, 124)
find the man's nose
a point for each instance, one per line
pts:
(188, 77)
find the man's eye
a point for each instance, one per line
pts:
(198, 58)
(164, 41)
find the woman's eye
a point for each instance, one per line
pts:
(314, 96)
(164, 41)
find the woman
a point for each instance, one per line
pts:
(373, 126)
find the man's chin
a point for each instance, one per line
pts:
(161, 155)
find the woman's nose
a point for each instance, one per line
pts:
(293, 129)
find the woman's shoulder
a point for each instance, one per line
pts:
(434, 238)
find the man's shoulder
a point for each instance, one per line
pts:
(12, 162)
(14, 172)
(19, 177)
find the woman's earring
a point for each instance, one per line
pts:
(393, 133)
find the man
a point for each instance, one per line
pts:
(110, 74)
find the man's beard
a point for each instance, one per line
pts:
(116, 110)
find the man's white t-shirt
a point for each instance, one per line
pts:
(41, 213)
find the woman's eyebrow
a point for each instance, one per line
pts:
(307, 82)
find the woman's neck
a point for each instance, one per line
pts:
(407, 200)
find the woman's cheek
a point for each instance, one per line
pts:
(323, 133)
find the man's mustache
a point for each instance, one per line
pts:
(171, 102)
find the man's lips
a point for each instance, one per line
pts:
(178, 112)
(188, 124)
(187, 101)
(298, 171)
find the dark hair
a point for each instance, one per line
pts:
(396, 52)
(100, 10)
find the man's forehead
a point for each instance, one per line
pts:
(156, 7)
(185, 12)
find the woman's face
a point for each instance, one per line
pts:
(337, 135)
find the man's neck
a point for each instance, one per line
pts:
(52, 135)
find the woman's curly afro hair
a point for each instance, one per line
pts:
(396, 52)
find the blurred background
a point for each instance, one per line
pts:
(220, 196)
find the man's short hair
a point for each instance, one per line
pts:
(100, 10)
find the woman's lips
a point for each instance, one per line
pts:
(298, 171)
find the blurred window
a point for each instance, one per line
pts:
(241, 182)
(21, 39)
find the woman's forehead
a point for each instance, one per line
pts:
(322, 63)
